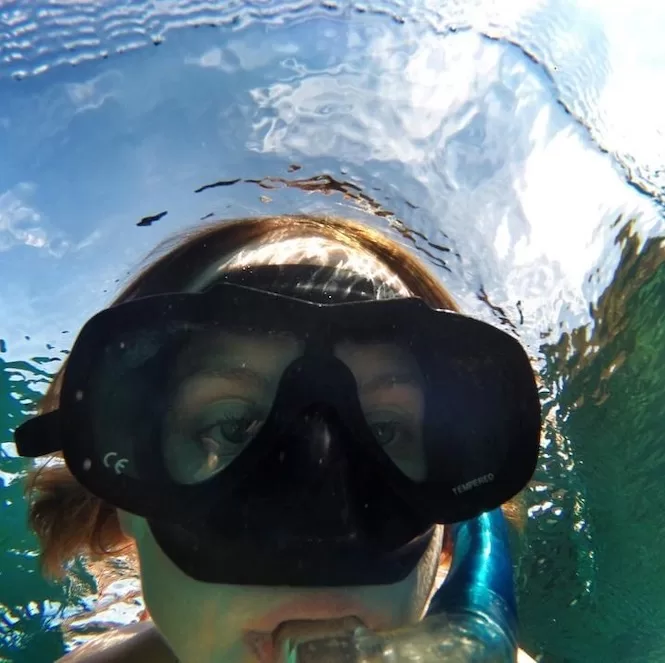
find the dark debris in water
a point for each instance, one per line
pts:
(327, 185)
(214, 185)
(519, 309)
(149, 220)
(497, 310)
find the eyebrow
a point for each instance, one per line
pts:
(376, 382)
(228, 370)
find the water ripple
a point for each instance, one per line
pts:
(473, 132)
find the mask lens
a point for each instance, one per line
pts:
(186, 399)
(180, 401)
(198, 396)
(219, 395)
(391, 392)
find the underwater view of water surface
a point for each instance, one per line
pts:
(516, 147)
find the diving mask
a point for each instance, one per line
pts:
(315, 492)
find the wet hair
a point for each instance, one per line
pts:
(68, 520)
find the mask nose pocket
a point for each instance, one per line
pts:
(307, 477)
(311, 448)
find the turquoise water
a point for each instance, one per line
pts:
(517, 153)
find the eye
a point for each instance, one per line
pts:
(204, 446)
(229, 433)
(221, 442)
(393, 429)
(385, 432)
(399, 435)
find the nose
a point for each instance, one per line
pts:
(311, 451)
(314, 445)
(313, 471)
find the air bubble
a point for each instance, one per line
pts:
(79, 395)
(87, 464)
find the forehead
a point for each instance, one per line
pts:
(251, 348)
(263, 351)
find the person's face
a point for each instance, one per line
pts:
(223, 389)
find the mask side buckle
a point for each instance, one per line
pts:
(39, 435)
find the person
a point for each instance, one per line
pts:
(283, 416)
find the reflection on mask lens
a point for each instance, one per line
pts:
(224, 385)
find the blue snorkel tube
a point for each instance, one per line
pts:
(478, 595)
(472, 618)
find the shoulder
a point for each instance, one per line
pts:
(137, 643)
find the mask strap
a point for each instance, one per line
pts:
(312, 251)
(39, 436)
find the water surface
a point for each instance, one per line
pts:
(518, 152)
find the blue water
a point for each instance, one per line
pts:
(517, 150)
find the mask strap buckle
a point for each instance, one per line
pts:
(39, 436)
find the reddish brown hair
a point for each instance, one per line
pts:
(70, 521)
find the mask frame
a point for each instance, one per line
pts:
(494, 383)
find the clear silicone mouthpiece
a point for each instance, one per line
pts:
(456, 638)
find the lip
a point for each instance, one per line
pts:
(258, 635)
(260, 644)
(318, 606)
(312, 629)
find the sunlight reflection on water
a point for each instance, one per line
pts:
(494, 143)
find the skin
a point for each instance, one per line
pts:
(196, 622)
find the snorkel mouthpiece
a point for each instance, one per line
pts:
(471, 619)
(468, 638)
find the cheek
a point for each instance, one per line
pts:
(427, 571)
(195, 619)
(405, 602)
(201, 622)
(129, 524)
